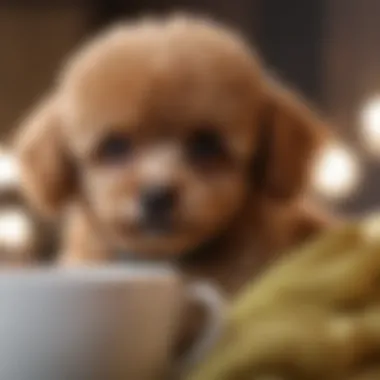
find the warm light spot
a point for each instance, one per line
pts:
(336, 174)
(15, 229)
(9, 173)
(370, 125)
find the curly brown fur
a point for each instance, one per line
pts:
(181, 104)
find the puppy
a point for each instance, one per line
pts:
(165, 139)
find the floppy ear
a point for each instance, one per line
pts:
(290, 136)
(46, 174)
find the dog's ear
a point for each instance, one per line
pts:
(290, 136)
(46, 175)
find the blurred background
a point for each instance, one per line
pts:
(327, 49)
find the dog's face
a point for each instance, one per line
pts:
(155, 127)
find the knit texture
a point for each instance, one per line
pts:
(314, 315)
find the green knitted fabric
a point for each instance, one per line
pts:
(313, 315)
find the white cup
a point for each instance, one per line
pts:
(113, 323)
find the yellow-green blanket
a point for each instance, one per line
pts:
(314, 315)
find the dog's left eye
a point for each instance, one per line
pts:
(205, 146)
(113, 149)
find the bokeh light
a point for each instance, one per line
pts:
(9, 173)
(370, 125)
(336, 174)
(15, 229)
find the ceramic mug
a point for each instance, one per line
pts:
(113, 323)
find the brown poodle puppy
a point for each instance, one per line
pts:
(165, 139)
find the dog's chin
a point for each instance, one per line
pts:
(157, 247)
(159, 241)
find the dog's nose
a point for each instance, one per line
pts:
(158, 202)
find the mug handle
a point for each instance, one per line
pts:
(213, 303)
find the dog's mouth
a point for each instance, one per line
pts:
(159, 226)
(151, 227)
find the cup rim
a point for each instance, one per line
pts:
(113, 273)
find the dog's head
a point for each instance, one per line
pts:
(165, 128)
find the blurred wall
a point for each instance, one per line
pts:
(33, 41)
(351, 73)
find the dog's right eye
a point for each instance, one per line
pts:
(113, 149)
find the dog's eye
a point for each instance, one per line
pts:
(113, 149)
(205, 146)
